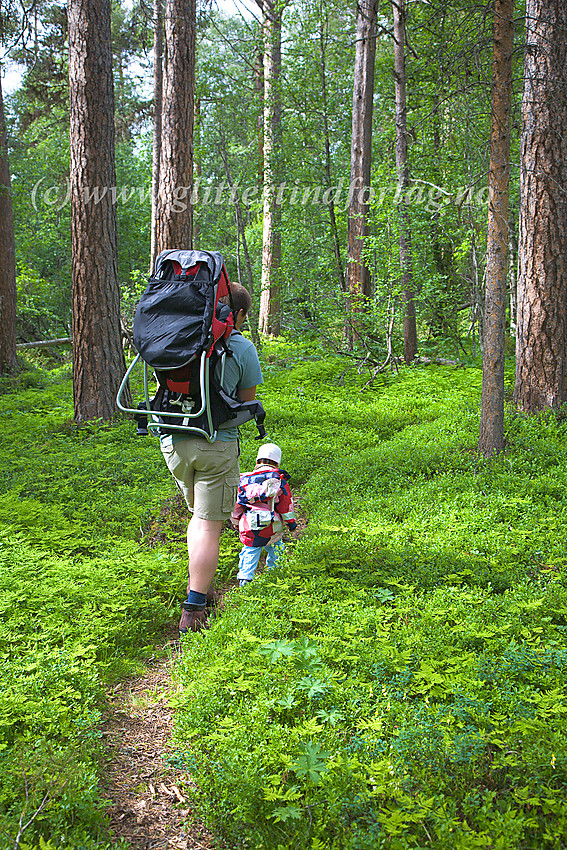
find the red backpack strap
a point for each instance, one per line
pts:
(222, 329)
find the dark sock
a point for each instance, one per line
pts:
(196, 598)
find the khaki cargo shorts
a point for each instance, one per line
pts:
(207, 474)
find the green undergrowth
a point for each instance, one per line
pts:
(399, 680)
(81, 597)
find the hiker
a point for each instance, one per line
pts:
(263, 509)
(208, 473)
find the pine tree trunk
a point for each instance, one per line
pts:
(174, 220)
(8, 255)
(270, 306)
(98, 358)
(491, 439)
(358, 273)
(541, 356)
(158, 106)
(406, 265)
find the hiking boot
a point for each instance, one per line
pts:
(213, 599)
(193, 618)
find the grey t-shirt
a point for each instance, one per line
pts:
(241, 371)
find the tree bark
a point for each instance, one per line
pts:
(332, 215)
(541, 357)
(406, 265)
(270, 304)
(241, 235)
(358, 273)
(158, 106)
(513, 274)
(491, 440)
(259, 93)
(197, 172)
(174, 220)
(8, 253)
(98, 358)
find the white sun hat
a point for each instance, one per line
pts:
(269, 451)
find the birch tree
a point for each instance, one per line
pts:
(8, 254)
(491, 439)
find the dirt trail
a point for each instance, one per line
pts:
(150, 798)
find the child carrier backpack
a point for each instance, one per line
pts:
(257, 494)
(181, 332)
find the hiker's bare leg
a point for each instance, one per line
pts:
(203, 536)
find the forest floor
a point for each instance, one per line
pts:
(150, 806)
(150, 802)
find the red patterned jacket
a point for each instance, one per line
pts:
(264, 506)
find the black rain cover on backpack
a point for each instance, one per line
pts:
(179, 323)
(175, 314)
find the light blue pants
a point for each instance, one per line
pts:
(250, 556)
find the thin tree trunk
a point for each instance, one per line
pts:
(491, 440)
(238, 251)
(513, 275)
(358, 273)
(98, 357)
(270, 305)
(328, 176)
(407, 283)
(7, 253)
(241, 232)
(197, 164)
(259, 91)
(174, 224)
(475, 307)
(158, 99)
(541, 356)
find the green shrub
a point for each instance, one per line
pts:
(80, 598)
(398, 681)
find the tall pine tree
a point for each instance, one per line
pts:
(98, 358)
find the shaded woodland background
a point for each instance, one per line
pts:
(387, 176)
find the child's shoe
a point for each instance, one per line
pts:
(244, 581)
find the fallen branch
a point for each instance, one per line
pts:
(23, 826)
(439, 361)
(178, 793)
(67, 340)
(45, 343)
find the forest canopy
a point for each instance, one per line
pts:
(448, 64)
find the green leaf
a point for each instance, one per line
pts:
(289, 812)
(312, 762)
(288, 701)
(277, 649)
(312, 686)
(331, 717)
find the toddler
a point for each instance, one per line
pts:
(263, 510)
